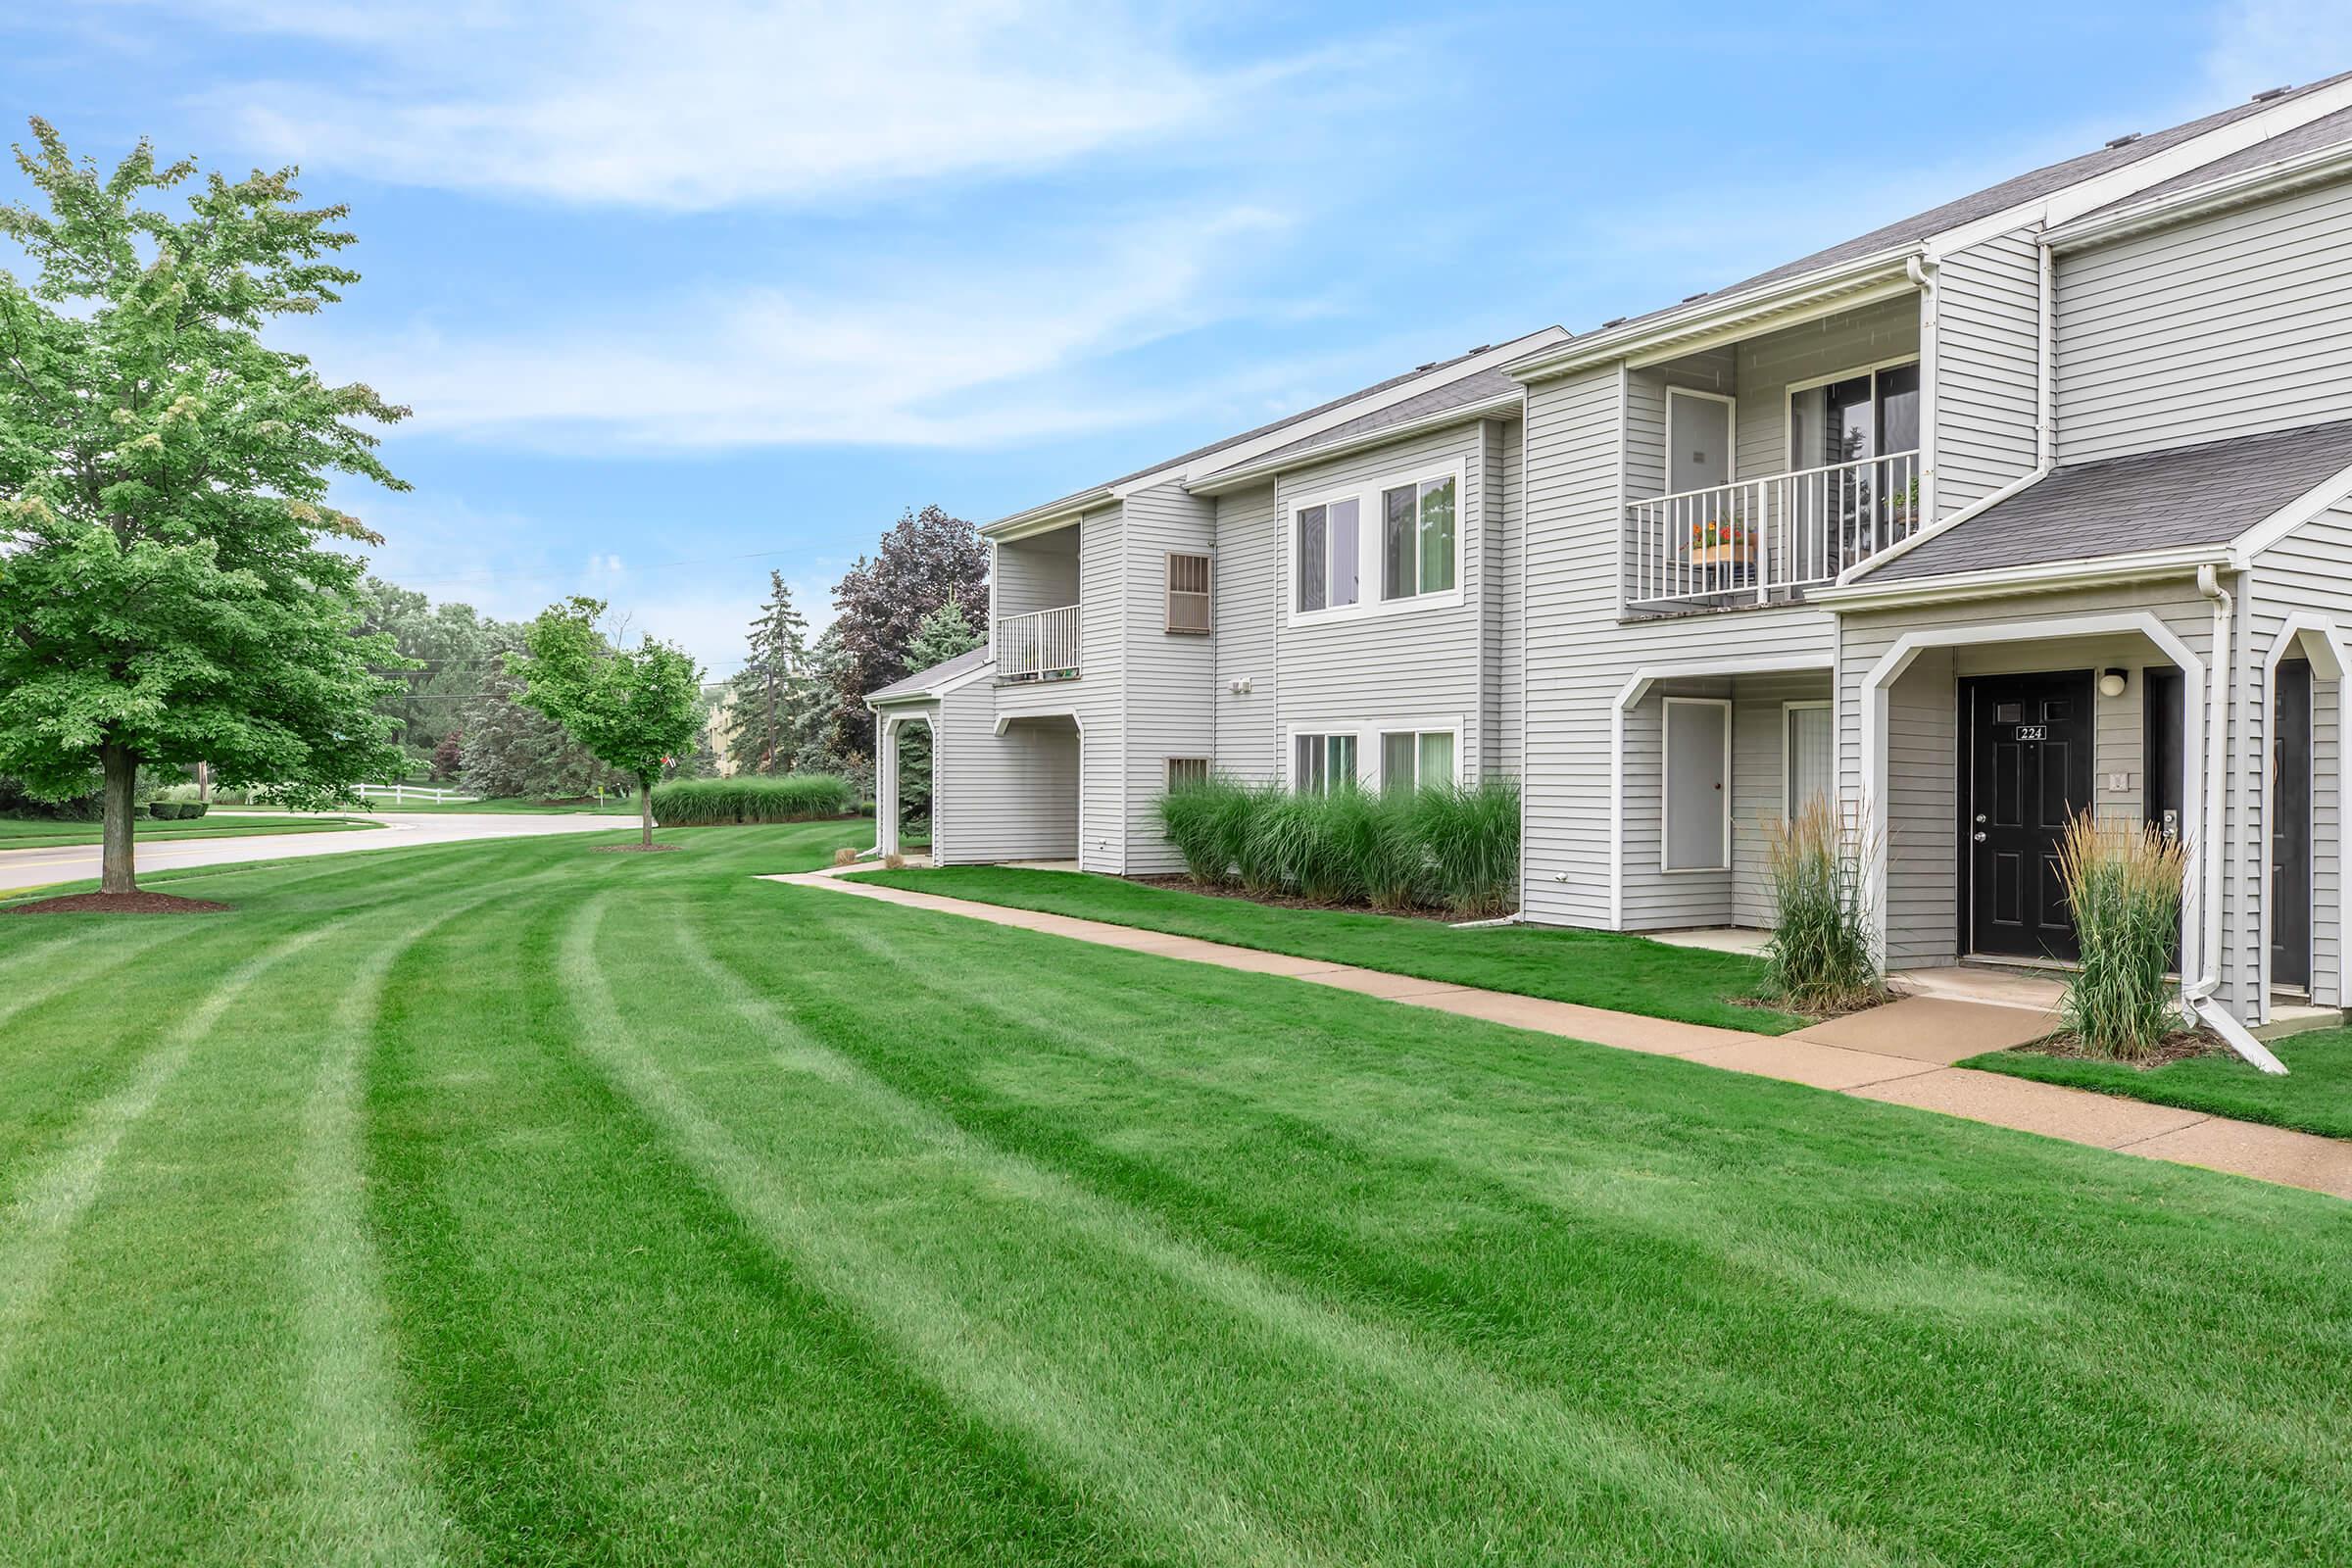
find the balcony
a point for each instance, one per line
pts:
(1042, 645)
(1763, 541)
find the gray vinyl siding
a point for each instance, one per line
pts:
(2308, 570)
(1029, 578)
(1417, 665)
(1580, 656)
(1169, 680)
(1918, 829)
(1095, 698)
(1248, 603)
(2229, 324)
(1759, 775)
(1987, 348)
(1504, 601)
(1010, 797)
(1847, 340)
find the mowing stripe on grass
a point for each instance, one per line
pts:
(361, 1448)
(1529, 1435)
(1189, 1513)
(38, 1224)
(114, 956)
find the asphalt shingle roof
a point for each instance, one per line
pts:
(2202, 495)
(2325, 131)
(924, 680)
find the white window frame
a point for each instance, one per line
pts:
(1291, 736)
(1378, 737)
(1666, 791)
(1731, 431)
(1789, 395)
(1788, 753)
(1370, 526)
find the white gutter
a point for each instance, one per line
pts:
(2042, 576)
(1510, 402)
(2199, 998)
(2195, 201)
(1728, 313)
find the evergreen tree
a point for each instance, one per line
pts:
(764, 687)
(944, 634)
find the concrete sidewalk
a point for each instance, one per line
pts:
(1900, 1054)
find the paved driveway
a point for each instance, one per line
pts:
(40, 868)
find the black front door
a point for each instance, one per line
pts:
(2026, 770)
(2291, 829)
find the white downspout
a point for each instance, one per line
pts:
(2045, 421)
(1921, 272)
(2199, 998)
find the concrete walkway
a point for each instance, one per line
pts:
(1900, 1054)
(23, 869)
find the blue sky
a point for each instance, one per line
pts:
(683, 292)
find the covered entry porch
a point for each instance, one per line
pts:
(1982, 737)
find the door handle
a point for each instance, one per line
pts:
(1978, 837)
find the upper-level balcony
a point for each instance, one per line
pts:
(1042, 645)
(1768, 539)
(1759, 468)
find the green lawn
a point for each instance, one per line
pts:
(515, 1203)
(2314, 1096)
(19, 833)
(1598, 968)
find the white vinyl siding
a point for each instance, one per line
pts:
(1009, 796)
(2229, 324)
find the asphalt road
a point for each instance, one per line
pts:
(41, 869)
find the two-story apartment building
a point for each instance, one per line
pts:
(2035, 503)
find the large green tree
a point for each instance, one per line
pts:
(925, 559)
(636, 708)
(167, 590)
(944, 634)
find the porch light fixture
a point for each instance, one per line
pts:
(2112, 682)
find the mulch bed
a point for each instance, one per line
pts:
(118, 904)
(2179, 1046)
(1181, 883)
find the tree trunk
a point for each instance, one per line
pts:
(116, 871)
(645, 812)
(204, 781)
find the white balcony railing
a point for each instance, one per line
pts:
(1040, 646)
(1765, 539)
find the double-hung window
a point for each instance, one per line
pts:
(1414, 759)
(1322, 763)
(1419, 540)
(1328, 548)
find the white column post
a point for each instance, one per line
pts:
(886, 789)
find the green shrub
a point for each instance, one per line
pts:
(1297, 837)
(2123, 883)
(1253, 856)
(190, 810)
(1471, 833)
(1819, 958)
(728, 802)
(164, 810)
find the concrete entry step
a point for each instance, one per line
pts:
(1994, 988)
(1935, 1029)
(2298, 1017)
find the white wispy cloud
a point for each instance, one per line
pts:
(722, 102)
(967, 354)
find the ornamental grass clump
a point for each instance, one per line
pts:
(2122, 884)
(1296, 838)
(731, 802)
(1470, 833)
(1380, 836)
(1201, 820)
(1819, 958)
